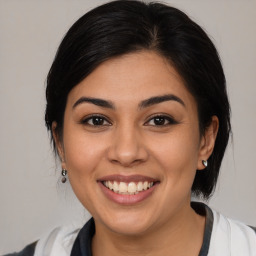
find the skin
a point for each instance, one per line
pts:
(128, 141)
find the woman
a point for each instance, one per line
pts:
(139, 116)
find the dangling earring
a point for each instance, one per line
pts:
(64, 173)
(205, 163)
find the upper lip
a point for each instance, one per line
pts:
(126, 179)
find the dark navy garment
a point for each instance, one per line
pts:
(82, 245)
(27, 251)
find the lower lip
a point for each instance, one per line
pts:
(127, 199)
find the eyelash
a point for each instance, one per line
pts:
(102, 119)
(161, 118)
(92, 118)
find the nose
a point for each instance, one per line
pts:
(127, 147)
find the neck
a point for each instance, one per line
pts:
(182, 235)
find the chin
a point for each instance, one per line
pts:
(128, 224)
(128, 229)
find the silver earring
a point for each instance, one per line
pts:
(64, 173)
(205, 163)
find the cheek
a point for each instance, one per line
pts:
(178, 153)
(82, 153)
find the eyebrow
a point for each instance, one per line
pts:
(144, 104)
(95, 101)
(159, 99)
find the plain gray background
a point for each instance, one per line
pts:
(32, 201)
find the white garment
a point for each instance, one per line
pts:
(58, 242)
(229, 238)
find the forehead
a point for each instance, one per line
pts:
(132, 78)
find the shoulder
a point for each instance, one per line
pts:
(231, 236)
(59, 241)
(27, 251)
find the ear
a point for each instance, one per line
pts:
(207, 142)
(59, 144)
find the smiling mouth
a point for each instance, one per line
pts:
(130, 188)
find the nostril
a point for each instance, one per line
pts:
(127, 162)
(126, 155)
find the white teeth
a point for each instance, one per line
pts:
(130, 188)
(115, 186)
(110, 185)
(122, 187)
(140, 186)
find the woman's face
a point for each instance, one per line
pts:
(131, 143)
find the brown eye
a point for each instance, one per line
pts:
(96, 121)
(161, 120)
